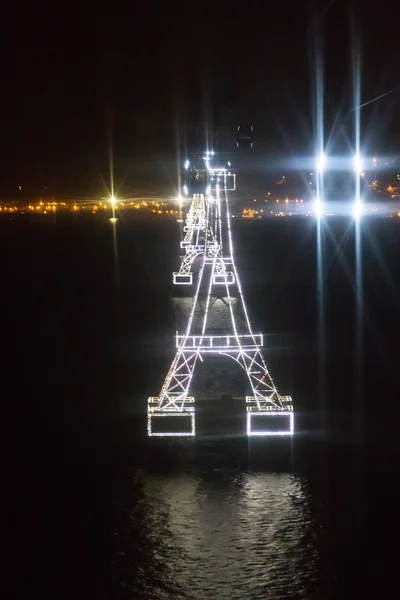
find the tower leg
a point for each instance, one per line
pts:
(170, 423)
(268, 413)
(173, 412)
(269, 422)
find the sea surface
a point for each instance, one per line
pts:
(93, 509)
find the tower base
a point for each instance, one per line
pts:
(269, 420)
(224, 278)
(180, 422)
(182, 279)
(170, 422)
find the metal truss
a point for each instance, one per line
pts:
(208, 234)
(195, 221)
(222, 179)
(195, 230)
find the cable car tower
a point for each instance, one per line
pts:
(208, 243)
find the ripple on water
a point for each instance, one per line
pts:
(217, 535)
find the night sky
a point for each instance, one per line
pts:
(76, 84)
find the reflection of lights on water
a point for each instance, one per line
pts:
(211, 523)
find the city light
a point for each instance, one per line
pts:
(113, 201)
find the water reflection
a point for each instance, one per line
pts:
(217, 535)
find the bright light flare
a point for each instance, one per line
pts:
(318, 208)
(113, 200)
(357, 164)
(358, 209)
(321, 163)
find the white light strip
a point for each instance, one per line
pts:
(187, 279)
(227, 278)
(267, 414)
(205, 223)
(190, 433)
(194, 341)
(242, 296)
(190, 248)
(171, 434)
(267, 433)
(179, 356)
(170, 409)
(218, 203)
(235, 352)
(227, 289)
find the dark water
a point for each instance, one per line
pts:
(95, 511)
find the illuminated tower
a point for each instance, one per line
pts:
(208, 240)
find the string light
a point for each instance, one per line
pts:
(206, 228)
(277, 413)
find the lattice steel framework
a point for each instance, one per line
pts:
(208, 238)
